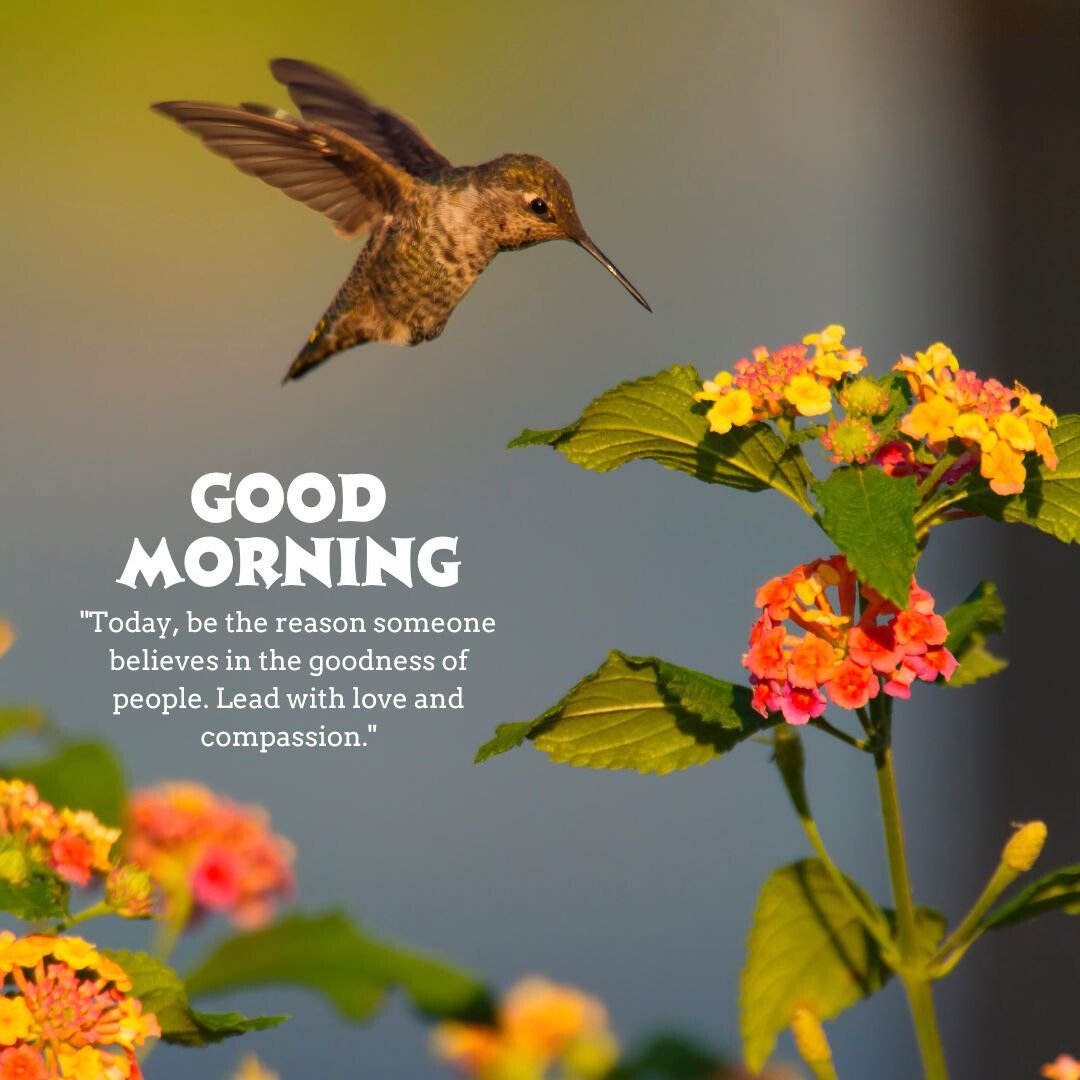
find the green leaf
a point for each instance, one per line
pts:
(40, 895)
(671, 1057)
(332, 956)
(81, 776)
(981, 614)
(657, 418)
(638, 713)
(1050, 501)
(161, 992)
(870, 518)
(1059, 891)
(20, 720)
(807, 947)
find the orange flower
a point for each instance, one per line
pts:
(845, 654)
(540, 1025)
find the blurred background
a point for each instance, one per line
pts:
(758, 168)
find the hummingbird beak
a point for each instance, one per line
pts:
(604, 261)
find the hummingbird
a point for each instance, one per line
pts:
(432, 227)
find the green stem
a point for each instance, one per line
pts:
(944, 464)
(91, 912)
(913, 970)
(823, 725)
(965, 935)
(791, 763)
(894, 842)
(921, 999)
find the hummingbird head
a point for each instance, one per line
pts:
(531, 202)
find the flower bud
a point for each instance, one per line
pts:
(810, 1038)
(1025, 846)
(14, 868)
(129, 891)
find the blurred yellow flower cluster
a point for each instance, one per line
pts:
(541, 1027)
(72, 842)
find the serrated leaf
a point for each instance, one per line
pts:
(807, 947)
(42, 895)
(1059, 891)
(657, 418)
(981, 614)
(638, 713)
(332, 956)
(82, 776)
(1050, 501)
(870, 518)
(162, 992)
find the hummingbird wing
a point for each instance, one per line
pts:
(326, 169)
(322, 96)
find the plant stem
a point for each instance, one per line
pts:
(913, 969)
(920, 997)
(822, 724)
(963, 937)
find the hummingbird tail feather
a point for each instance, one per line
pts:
(318, 349)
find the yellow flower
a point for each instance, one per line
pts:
(733, 409)
(971, 426)
(7, 636)
(15, 1020)
(253, 1069)
(828, 340)
(1004, 468)
(809, 397)
(712, 389)
(937, 358)
(1015, 432)
(933, 420)
(84, 1064)
(75, 952)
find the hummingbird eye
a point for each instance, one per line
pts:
(538, 207)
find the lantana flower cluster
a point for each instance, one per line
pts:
(842, 655)
(73, 843)
(997, 425)
(793, 381)
(209, 854)
(540, 1026)
(66, 1011)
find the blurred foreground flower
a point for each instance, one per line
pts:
(541, 1026)
(73, 843)
(7, 636)
(251, 1068)
(1065, 1067)
(842, 654)
(996, 425)
(209, 854)
(64, 1011)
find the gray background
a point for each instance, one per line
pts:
(758, 170)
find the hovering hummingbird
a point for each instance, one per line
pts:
(433, 227)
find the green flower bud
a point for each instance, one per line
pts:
(129, 891)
